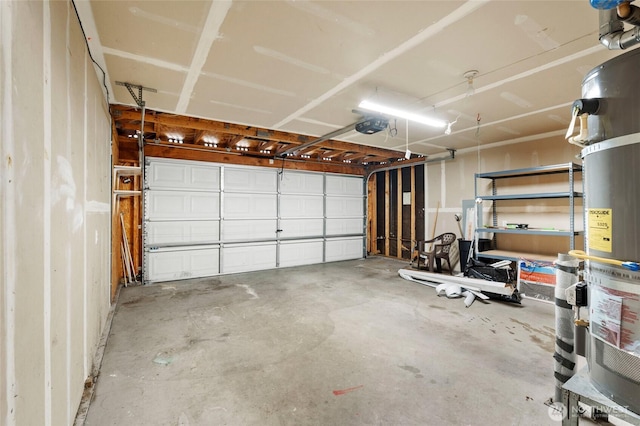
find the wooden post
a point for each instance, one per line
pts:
(413, 209)
(116, 236)
(435, 224)
(372, 210)
(399, 214)
(387, 206)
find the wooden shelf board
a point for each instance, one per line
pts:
(125, 193)
(127, 170)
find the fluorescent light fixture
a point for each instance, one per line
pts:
(433, 122)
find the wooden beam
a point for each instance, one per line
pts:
(387, 207)
(129, 156)
(169, 120)
(133, 126)
(270, 146)
(333, 154)
(372, 212)
(202, 154)
(399, 214)
(199, 136)
(413, 209)
(370, 169)
(354, 156)
(365, 149)
(172, 121)
(115, 145)
(116, 262)
(310, 151)
(116, 267)
(231, 142)
(125, 205)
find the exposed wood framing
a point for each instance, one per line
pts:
(115, 147)
(413, 210)
(372, 246)
(198, 138)
(160, 127)
(178, 152)
(387, 206)
(228, 143)
(135, 126)
(270, 146)
(399, 214)
(116, 235)
(125, 206)
(373, 167)
(400, 245)
(232, 141)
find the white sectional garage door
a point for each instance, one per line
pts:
(204, 219)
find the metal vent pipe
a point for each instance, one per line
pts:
(612, 34)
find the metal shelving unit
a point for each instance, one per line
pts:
(570, 169)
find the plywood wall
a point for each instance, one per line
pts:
(54, 214)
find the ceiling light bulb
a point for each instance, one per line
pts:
(470, 90)
(470, 75)
(447, 131)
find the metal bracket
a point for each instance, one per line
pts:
(137, 98)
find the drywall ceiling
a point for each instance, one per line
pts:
(304, 66)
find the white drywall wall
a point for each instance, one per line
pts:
(54, 214)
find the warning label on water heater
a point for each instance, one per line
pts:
(599, 223)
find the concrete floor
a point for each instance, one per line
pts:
(336, 344)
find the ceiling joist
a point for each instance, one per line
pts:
(163, 129)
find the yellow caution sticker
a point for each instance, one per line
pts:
(599, 223)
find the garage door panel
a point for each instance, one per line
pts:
(345, 226)
(203, 219)
(250, 180)
(209, 206)
(301, 253)
(182, 205)
(344, 249)
(163, 175)
(292, 206)
(205, 178)
(248, 257)
(344, 207)
(301, 183)
(294, 228)
(180, 264)
(183, 232)
(246, 230)
(254, 206)
(343, 185)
